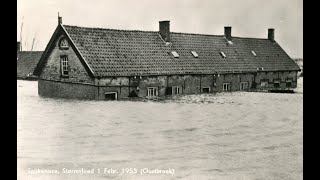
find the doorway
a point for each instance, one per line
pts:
(206, 89)
(111, 96)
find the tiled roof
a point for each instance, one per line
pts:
(26, 62)
(111, 52)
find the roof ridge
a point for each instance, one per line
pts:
(99, 28)
(184, 33)
(250, 38)
(199, 34)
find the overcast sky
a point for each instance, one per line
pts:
(248, 18)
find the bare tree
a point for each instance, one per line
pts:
(21, 34)
(32, 45)
(24, 42)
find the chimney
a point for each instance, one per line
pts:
(18, 46)
(59, 20)
(271, 34)
(164, 29)
(227, 32)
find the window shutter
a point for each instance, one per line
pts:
(157, 91)
(61, 66)
(169, 91)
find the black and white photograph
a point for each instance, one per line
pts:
(160, 89)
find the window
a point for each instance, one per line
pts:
(176, 90)
(264, 84)
(152, 91)
(276, 83)
(226, 87)
(289, 83)
(260, 69)
(64, 66)
(253, 53)
(223, 54)
(206, 89)
(111, 96)
(64, 44)
(243, 86)
(175, 54)
(195, 54)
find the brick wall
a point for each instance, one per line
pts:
(152, 81)
(52, 71)
(66, 90)
(120, 85)
(281, 76)
(113, 81)
(122, 92)
(191, 84)
(234, 80)
(206, 82)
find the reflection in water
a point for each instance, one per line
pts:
(224, 136)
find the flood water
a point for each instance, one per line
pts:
(226, 136)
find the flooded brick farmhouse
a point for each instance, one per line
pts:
(96, 63)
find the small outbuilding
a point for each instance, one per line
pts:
(26, 63)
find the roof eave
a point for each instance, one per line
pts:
(41, 62)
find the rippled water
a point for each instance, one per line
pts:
(224, 136)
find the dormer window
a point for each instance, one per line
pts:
(253, 53)
(64, 44)
(175, 54)
(195, 54)
(223, 54)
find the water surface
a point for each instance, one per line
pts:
(225, 136)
